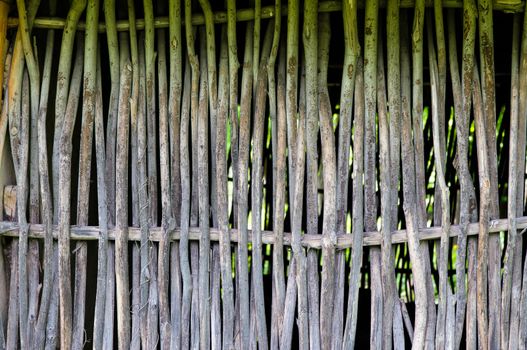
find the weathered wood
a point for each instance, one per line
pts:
(244, 140)
(27, 154)
(517, 289)
(45, 191)
(277, 107)
(167, 221)
(483, 237)
(260, 95)
(329, 174)
(222, 198)
(387, 268)
(310, 41)
(185, 195)
(62, 90)
(488, 93)
(512, 193)
(174, 120)
(85, 156)
(358, 203)
(371, 238)
(64, 184)
(370, 171)
(121, 202)
(248, 14)
(437, 72)
(102, 206)
(410, 206)
(203, 202)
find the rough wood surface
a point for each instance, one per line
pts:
(225, 213)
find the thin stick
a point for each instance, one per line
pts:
(62, 90)
(298, 251)
(143, 193)
(21, 195)
(279, 150)
(64, 201)
(233, 100)
(440, 163)
(291, 93)
(135, 342)
(357, 206)
(256, 198)
(88, 115)
(310, 40)
(185, 205)
(512, 190)
(102, 203)
(113, 58)
(12, 334)
(329, 173)
(27, 133)
(387, 269)
(370, 197)
(204, 209)
(489, 113)
(279, 288)
(167, 221)
(467, 187)
(483, 241)
(242, 194)
(351, 54)
(121, 200)
(45, 191)
(517, 274)
(174, 117)
(410, 206)
(420, 182)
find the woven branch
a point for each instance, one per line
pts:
(314, 241)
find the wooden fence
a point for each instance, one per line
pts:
(259, 174)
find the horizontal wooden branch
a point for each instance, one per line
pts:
(87, 233)
(243, 15)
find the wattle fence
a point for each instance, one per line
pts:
(263, 174)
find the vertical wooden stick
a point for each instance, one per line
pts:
(45, 191)
(204, 206)
(233, 100)
(256, 199)
(63, 81)
(167, 221)
(484, 190)
(310, 40)
(88, 115)
(489, 111)
(410, 205)
(111, 129)
(27, 134)
(65, 302)
(143, 192)
(512, 190)
(351, 54)
(329, 173)
(243, 165)
(517, 288)
(121, 200)
(185, 207)
(174, 115)
(102, 206)
(387, 268)
(358, 203)
(279, 152)
(151, 109)
(440, 164)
